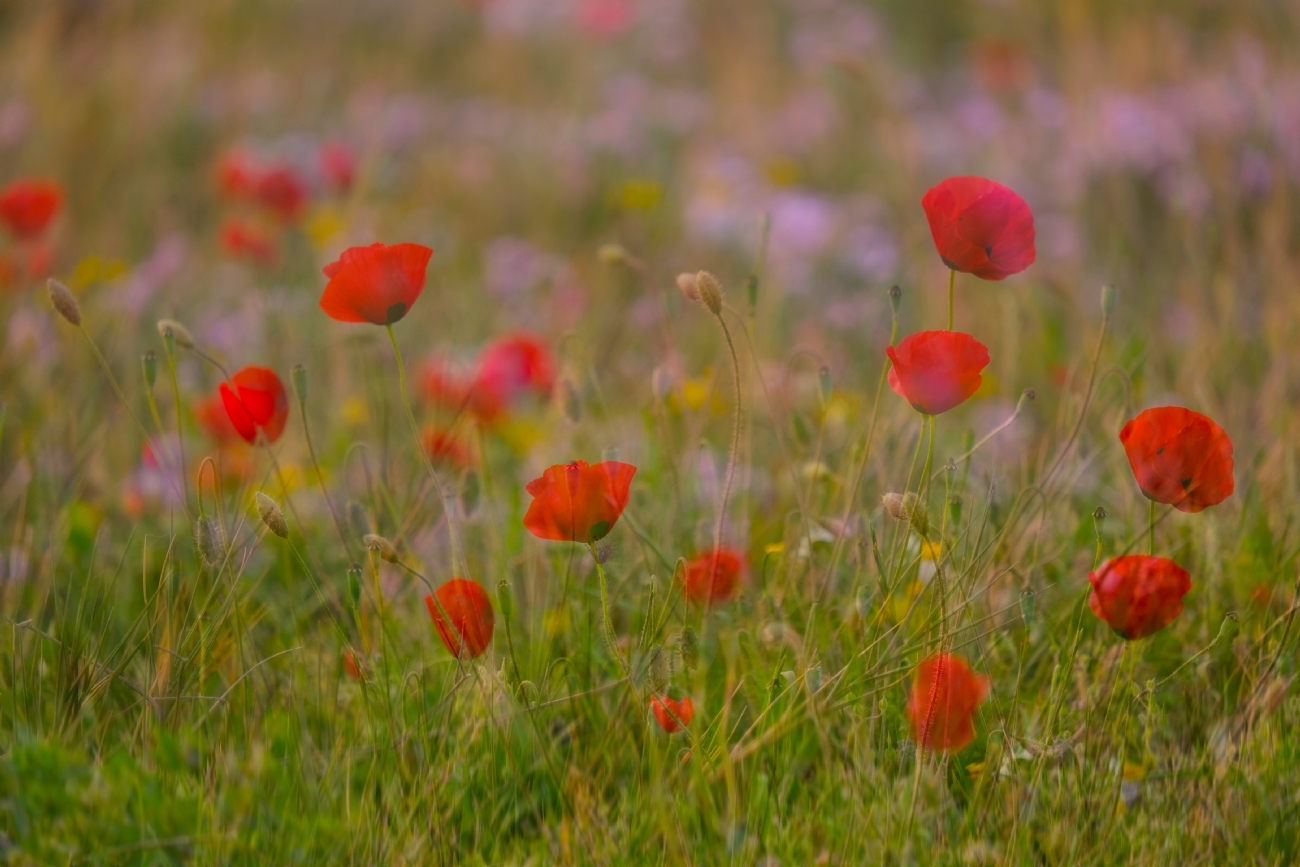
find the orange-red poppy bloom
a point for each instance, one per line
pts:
(714, 576)
(210, 413)
(280, 190)
(28, 205)
(937, 370)
(980, 227)
(1138, 595)
(472, 620)
(945, 696)
(665, 709)
(338, 164)
(260, 404)
(578, 502)
(242, 240)
(444, 446)
(375, 284)
(1179, 457)
(510, 369)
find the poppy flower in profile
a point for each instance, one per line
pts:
(472, 620)
(672, 715)
(510, 369)
(260, 404)
(713, 577)
(241, 240)
(1137, 594)
(28, 205)
(375, 284)
(1179, 457)
(937, 370)
(578, 502)
(945, 696)
(210, 413)
(980, 227)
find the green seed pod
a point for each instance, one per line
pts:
(354, 584)
(299, 376)
(688, 644)
(149, 364)
(506, 600)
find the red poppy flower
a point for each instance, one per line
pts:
(237, 174)
(339, 165)
(210, 413)
(261, 403)
(980, 227)
(375, 284)
(937, 370)
(281, 190)
(945, 696)
(444, 446)
(509, 370)
(352, 665)
(578, 502)
(244, 241)
(1138, 595)
(28, 205)
(466, 603)
(714, 577)
(665, 709)
(1179, 457)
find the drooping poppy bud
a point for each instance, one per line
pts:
(1179, 457)
(381, 546)
(714, 576)
(472, 621)
(1137, 594)
(937, 370)
(578, 502)
(258, 402)
(943, 702)
(269, 511)
(672, 715)
(180, 334)
(376, 284)
(64, 301)
(688, 644)
(29, 205)
(980, 227)
(209, 540)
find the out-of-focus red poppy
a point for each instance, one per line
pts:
(980, 227)
(352, 665)
(28, 205)
(443, 446)
(261, 403)
(444, 384)
(714, 576)
(237, 174)
(665, 709)
(944, 699)
(281, 190)
(472, 620)
(338, 165)
(578, 502)
(605, 18)
(242, 240)
(937, 370)
(375, 284)
(1179, 457)
(1138, 595)
(210, 413)
(509, 370)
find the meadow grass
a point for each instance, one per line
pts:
(179, 684)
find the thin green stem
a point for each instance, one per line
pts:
(320, 479)
(608, 624)
(735, 436)
(1151, 525)
(952, 283)
(180, 444)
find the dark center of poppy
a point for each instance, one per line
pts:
(1160, 451)
(988, 251)
(1186, 483)
(599, 530)
(395, 313)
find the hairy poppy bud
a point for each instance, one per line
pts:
(908, 507)
(149, 364)
(688, 284)
(380, 546)
(64, 302)
(895, 298)
(1109, 295)
(180, 335)
(605, 552)
(893, 504)
(299, 377)
(506, 600)
(611, 254)
(354, 584)
(210, 541)
(269, 511)
(659, 669)
(688, 644)
(1099, 513)
(710, 292)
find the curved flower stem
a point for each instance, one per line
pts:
(180, 437)
(607, 623)
(923, 487)
(320, 479)
(735, 435)
(1151, 524)
(952, 283)
(415, 432)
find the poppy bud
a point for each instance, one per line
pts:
(269, 511)
(661, 383)
(908, 507)
(209, 540)
(688, 644)
(893, 504)
(1109, 295)
(611, 254)
(359, 519)
(824, 385)
(895, 296)
(687, 283)
(572, 403)
(710, 291)
(1228, 629)
(149, 364)
(180, 335)
(64, 302)
(380, 546)
(659, 669)
(1099, 513)
(299, 377)
(506, 600)
(354, 584)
